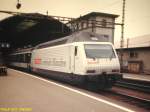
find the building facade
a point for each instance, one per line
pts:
(136, 55)
(101, 23)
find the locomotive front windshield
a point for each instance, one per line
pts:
(99, 51)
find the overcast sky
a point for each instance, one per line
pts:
(137, 18)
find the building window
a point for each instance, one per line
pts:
(133, 54)
(104, 23)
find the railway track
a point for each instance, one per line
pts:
(133, 92)
(133, 96)
(117, 93)
(136, 85)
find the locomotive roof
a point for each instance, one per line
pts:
(76, 37)
(27, 50)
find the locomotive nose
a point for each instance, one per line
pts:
(100, 66)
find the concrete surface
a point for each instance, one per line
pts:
(25, 92)
(136, 76)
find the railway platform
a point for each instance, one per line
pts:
(138, 77)
(22, 92)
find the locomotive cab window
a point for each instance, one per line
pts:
(99, 51)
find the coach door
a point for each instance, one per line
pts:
(72, 59)
(76, 60)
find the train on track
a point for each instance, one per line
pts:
(82, 59)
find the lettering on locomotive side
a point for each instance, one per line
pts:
(54, 62)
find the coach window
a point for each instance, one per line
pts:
(28, 57)
(17, 58)
(76, 51)
(133, 54)
(23, 57)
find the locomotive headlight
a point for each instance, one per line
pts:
(90, 71)
(92, 61)
(115, 70)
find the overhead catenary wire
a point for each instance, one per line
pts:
(114, 3)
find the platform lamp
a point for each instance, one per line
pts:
(18, 6)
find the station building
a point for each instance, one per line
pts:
(136, 55)
(101, 23)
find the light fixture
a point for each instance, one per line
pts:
(18, 6)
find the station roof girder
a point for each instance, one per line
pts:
(31, 29)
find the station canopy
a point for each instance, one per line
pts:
(30, 29)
